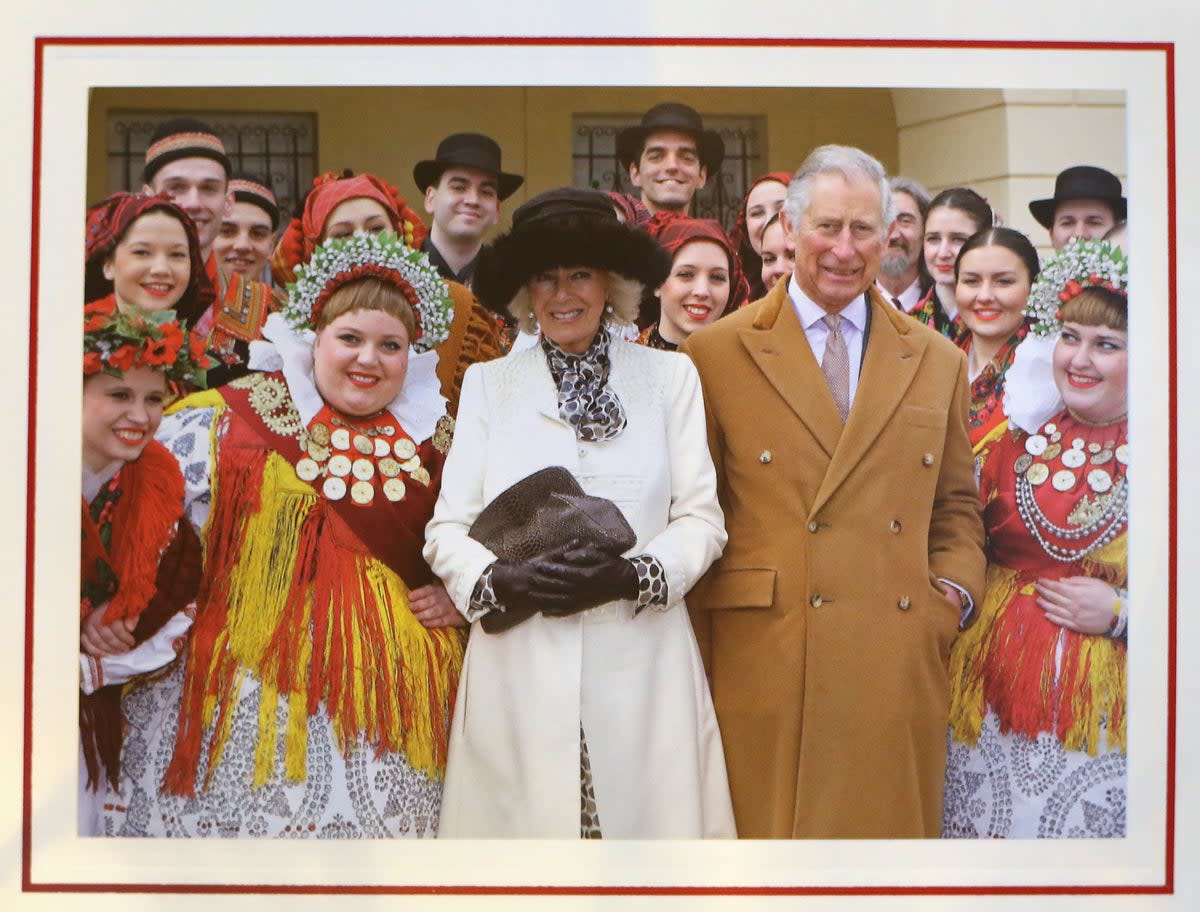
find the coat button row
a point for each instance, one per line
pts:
(927, 459)
(905, 603)
(816, 601)
(895, 525)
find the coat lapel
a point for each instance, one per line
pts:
(894, 351)
(777, 345)
(537, 385)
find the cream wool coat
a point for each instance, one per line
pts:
(635, 684)
(826, 636)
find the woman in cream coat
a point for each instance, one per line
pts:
(592, 716)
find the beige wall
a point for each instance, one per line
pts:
(387, 130)
(1008, 145)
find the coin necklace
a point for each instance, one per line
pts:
(1095, 520)
(359, 458)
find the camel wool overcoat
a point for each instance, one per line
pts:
(823, 629)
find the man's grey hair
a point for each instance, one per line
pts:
(850, 163)
(901, 184)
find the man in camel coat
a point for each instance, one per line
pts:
(855, 542)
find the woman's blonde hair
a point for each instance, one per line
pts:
(368, 293)
(1095, 306)
(624, 297)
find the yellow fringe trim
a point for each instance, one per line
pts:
(260, 583)
(1102, 662)
(966, 679)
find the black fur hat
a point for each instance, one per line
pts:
(565, 227)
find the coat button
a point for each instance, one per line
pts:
(765, 456)
(927, 459)
(813, 526)
(815, 601)
(904, 604)
(895, 525)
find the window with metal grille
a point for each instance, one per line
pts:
(593, 152)
(280, 147)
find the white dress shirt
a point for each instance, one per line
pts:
(909, 298)
(854, 327)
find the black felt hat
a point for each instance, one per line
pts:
(183, 137)
(565, 227)
(1081, 182)
(474, 150)
(671, 115)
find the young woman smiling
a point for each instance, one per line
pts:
(339, 206)
(954, 215)
(1037, 740)
(139, 561)
(142, 252)
(994, 272)
(704, 284)
(764, 198)
(316, 692)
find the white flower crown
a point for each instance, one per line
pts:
(1079, 265)
(341, 260)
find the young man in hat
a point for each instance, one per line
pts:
(186, 160)
(669, 156)
(247, 236)
(1087, 203)
(463, 186)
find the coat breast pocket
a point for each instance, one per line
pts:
(732, 589)
(922, 416)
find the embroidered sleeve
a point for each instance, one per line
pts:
(188, 435)
(148, 656)
(652, 582)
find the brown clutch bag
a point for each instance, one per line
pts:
(539, 513)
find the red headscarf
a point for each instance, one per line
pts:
(672, 230)
(107, 223)
(329, 191)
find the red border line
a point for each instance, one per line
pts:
(30, 473)
(1167, 887)
(360, 890)
(593, 41)
(1172, 472)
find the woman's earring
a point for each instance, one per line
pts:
(608, 308)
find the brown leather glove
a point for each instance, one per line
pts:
(589, 577)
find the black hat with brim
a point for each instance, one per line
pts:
(471, 150)
(565, 227)
(1081, 182)
(675, 117)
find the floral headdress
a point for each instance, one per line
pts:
(1080, 264)
(341, 260)
(115, 341)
